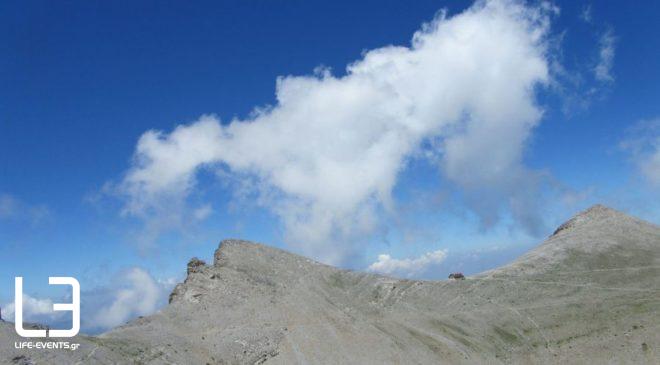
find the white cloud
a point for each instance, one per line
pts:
(203, 212)
(407, 267)
(35, 310)
(603, 70)
(133, 293)
(136, 294)
(327, 155)
(642, 141)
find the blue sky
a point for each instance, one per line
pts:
(87, 191)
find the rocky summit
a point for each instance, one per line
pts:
(589, 294)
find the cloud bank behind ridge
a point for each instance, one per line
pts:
(408, 267)
(326, 156)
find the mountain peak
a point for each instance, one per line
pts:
(598, 238)
(595, 213)
(599, 211)
(261, 259)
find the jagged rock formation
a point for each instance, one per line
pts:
(588, 294)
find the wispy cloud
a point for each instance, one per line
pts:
(584, 82)
(13, 208)
(326, 156)
(606, 48)
(642, 141)
(586, 14)
(606, 52)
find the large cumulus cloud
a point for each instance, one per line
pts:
(326, 156)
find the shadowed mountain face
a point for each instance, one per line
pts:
(589, 294)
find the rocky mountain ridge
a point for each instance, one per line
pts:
(589, 294)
